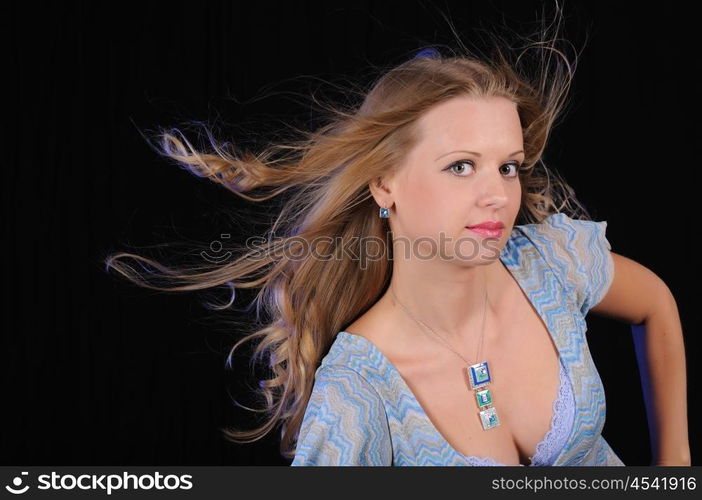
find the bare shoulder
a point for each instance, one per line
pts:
(379, 325)
(389, 332)
(369, 325)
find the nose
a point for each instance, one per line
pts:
(493, 190)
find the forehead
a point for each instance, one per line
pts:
(490, 122)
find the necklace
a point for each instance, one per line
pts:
(478, 373)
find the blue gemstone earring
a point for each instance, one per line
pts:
(384, 213)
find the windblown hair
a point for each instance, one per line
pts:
(326, 173)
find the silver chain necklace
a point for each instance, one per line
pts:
(478, 373)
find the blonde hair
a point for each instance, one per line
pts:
(326, 173)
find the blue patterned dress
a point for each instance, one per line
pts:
(361, 411)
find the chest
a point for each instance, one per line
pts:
(524, 366)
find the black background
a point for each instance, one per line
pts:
(97, 371)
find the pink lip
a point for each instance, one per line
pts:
(488, 228)
(488, 224)
(487, 233)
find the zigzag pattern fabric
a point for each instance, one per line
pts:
(361, 411)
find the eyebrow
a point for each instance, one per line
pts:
(473, 153)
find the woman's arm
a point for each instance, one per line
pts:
(639, 297)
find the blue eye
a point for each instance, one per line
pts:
(515, 165)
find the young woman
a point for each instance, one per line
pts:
(425, 301)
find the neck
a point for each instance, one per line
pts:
(452, 301)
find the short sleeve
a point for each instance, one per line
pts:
(344, 423)
(580, 255)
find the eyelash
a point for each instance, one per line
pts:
(516, 165)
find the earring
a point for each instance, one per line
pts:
(384, 213)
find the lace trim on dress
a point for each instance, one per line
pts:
(553, 441)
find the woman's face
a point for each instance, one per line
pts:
(463, 171)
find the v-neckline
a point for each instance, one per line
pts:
(512, 267)
(415, 402)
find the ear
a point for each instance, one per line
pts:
(381, 190)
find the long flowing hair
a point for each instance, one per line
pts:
(325, 174)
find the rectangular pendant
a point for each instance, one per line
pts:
(479, 375)
(489, 418)
(483, 398)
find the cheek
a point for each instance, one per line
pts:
(515, 197)
(421, 194)
(418, 202)
(427, 207)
